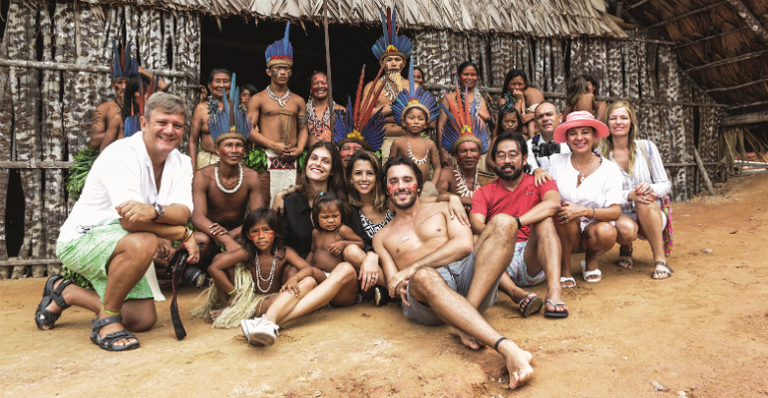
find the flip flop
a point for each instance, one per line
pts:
(586, 274)
(569, 279)
(555, 314)
(533, 306)
(668, 272)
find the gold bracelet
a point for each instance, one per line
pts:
(186, 236)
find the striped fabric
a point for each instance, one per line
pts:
(660, 182)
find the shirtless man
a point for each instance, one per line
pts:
(222, 192)
(537, 248)
(124, 67)
(429, 261)
(461, 179)
(318, 112)
(392, 55)
(279, 118)
(219, 79)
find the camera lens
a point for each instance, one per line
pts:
(194, 277)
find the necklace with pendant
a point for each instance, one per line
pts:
(405, 239)
(581, 173)
(280, 100)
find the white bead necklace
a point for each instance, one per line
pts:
(229, 191)
(418, 161)
(280, 100)
(461, 187)
(271, 273)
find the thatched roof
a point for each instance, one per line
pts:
(541, 18)
(716, 46)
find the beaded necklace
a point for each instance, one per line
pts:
(318, 124)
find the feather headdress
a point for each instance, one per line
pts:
(360, 123)
(463, 124)
(132, 123)
(123, 64)
(414, 97)
(281, 51)
(391, 43)
(231, 122)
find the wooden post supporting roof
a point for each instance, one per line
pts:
(750, 19)
(687, 14)
(738, 58)
(745, 119)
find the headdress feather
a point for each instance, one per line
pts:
(123, 64)
(463, 124)
(281, 51)
(231, 122)
(390, 43)
(358, 123)
(415, 97)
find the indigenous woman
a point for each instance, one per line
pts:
(644, 185)
(468, 92)
(319, 108)
(590, 188)
(525, 97)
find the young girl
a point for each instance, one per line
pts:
(581, 97)
(330, 236)
(509, 122)
(258, 269)
(419, 149)
(518, 89)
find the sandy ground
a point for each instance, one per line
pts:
(704, 332)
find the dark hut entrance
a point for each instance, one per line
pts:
(239, 46)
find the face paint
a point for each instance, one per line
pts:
(411, 187)
(391, 188)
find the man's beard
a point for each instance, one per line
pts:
(406, 205)
(511, 175)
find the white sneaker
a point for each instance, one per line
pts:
(261, 332)
(248, 327)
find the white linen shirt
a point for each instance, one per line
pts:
(124, 172)
(544, 161)
(599, 190)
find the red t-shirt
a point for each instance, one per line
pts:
(493, 199)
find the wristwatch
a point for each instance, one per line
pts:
(160, 212)
(519, 224)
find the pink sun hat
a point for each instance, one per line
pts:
(580, 119)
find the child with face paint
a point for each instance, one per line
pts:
(330, 236)
(256, 288)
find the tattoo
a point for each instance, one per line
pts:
(302, 120)
(425, 220)
(96, 128)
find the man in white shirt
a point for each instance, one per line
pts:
(139, 190)
(542, 145)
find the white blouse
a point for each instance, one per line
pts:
(599, 190)
(640, 173)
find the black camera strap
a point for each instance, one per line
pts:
(178, 263)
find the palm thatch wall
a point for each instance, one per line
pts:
(46, 109)
(49, 91)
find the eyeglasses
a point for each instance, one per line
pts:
(511, 156)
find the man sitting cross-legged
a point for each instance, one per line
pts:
(537, 248)
(427, 259)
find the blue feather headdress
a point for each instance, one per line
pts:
(358, 124)
(463, 124)
(414, 97)
(230, 122)
(123, 64)
(132, 123)
(391, 43)
(281, 51)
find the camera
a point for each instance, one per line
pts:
(546, 149)
(192, 276)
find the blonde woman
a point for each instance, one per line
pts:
(644, 184)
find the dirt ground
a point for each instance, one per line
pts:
(704, 332)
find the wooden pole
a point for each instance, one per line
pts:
(703, 171)
(78, 68)
(717, 89)
(742, 57)
(687, 14)
(35, 164)
(745, 119)
(328, 66)
(750, 19)
(716, 35)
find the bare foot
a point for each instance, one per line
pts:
(518, 363)
(212, 315)
(468, 340)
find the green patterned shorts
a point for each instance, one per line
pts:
(88, 256)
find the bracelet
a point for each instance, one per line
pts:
(594, 213)
(496, 347)
(109, 312)
(187, 235)
(519, 224)
(233, 290)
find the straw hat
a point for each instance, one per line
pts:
(580, 119)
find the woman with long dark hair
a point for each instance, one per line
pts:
(523, 96)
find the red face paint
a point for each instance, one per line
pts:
(391, 188)
(411, 187)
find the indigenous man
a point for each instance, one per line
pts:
(392, 51)
(223, 191)
(124, 67)
(466, 139)
(428, 260)
(542, 145)
(318, 111)
(279, 118)
(537, 250)
(218, 81)
(137, 192)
